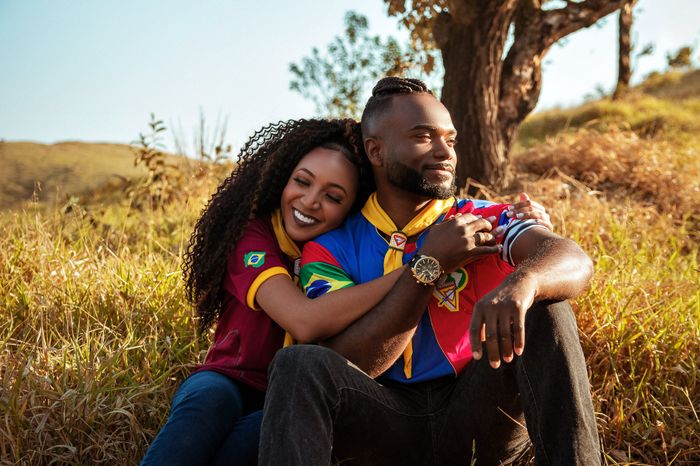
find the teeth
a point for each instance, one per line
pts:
(303, 218)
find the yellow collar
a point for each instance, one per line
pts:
(288, 246)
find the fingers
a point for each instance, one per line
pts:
(519, 333)
(482, 238)
(529, 209)
(505, 339)
(503, 335)
(492, 345)
(475, 332)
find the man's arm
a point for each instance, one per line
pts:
(377, 339)
(548, 267)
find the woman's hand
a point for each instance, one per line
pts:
(526, 208)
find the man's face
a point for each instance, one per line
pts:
(418, 146)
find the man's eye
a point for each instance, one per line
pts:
(452, 142)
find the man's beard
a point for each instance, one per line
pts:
(410, 180)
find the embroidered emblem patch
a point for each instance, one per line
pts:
(398, 240)
(448, 287)
(254, 259)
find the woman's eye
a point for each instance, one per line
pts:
(334, 198)
(301, 181)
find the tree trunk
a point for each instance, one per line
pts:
(472, 55)
(489, 96)
(624, 68)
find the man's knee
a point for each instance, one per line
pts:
(299, 361)
(551, 325)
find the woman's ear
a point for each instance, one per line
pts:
(373, 148)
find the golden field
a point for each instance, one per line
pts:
(95, 333)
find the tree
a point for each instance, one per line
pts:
(492, 83)
(338, 83)
(624, 67)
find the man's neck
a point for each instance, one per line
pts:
(400, 206)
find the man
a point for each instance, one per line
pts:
(440, 397)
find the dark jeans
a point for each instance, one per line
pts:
(213, 420)
(320, 408)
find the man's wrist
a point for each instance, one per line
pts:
(426, 270)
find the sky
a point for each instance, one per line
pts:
(94, 70)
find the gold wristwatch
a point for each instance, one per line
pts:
(425, 269)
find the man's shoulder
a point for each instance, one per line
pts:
(338, 243)
(478, 207)
(351, 227)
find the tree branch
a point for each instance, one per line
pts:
(535, 31)
(577, 15)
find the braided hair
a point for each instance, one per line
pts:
(253, 190)
(382, 95)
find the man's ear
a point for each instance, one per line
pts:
(373, 148)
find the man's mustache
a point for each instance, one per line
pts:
(440, 166)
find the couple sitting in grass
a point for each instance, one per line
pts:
(434, 326)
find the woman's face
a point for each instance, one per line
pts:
(319, 194)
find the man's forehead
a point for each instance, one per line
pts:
(417, 110)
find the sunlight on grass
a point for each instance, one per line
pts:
(95, 333)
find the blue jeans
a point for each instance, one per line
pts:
(213, 420)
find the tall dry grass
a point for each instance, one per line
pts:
(94, 330)
(632, 202)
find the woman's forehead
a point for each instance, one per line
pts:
(331, 163)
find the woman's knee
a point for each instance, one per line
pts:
(209, 392)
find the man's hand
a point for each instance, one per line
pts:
(461, 239)
(500, 318)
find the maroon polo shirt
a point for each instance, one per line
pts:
(246, 338)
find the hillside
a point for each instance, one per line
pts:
(668, 103)
(66, 168)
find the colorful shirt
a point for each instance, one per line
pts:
(246, 338)
(354, 253)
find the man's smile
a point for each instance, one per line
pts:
(442, 168)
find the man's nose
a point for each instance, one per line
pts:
(442, 150)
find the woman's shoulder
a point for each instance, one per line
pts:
(258, 228)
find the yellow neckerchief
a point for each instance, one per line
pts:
(289, 247)
(393, 259)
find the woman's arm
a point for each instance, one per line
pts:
(311, 320)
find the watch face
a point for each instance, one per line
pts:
(427, 269)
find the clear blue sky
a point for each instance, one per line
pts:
(94, 70)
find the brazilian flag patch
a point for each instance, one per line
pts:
(254, 259)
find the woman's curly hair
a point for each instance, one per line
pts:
(253, 190)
